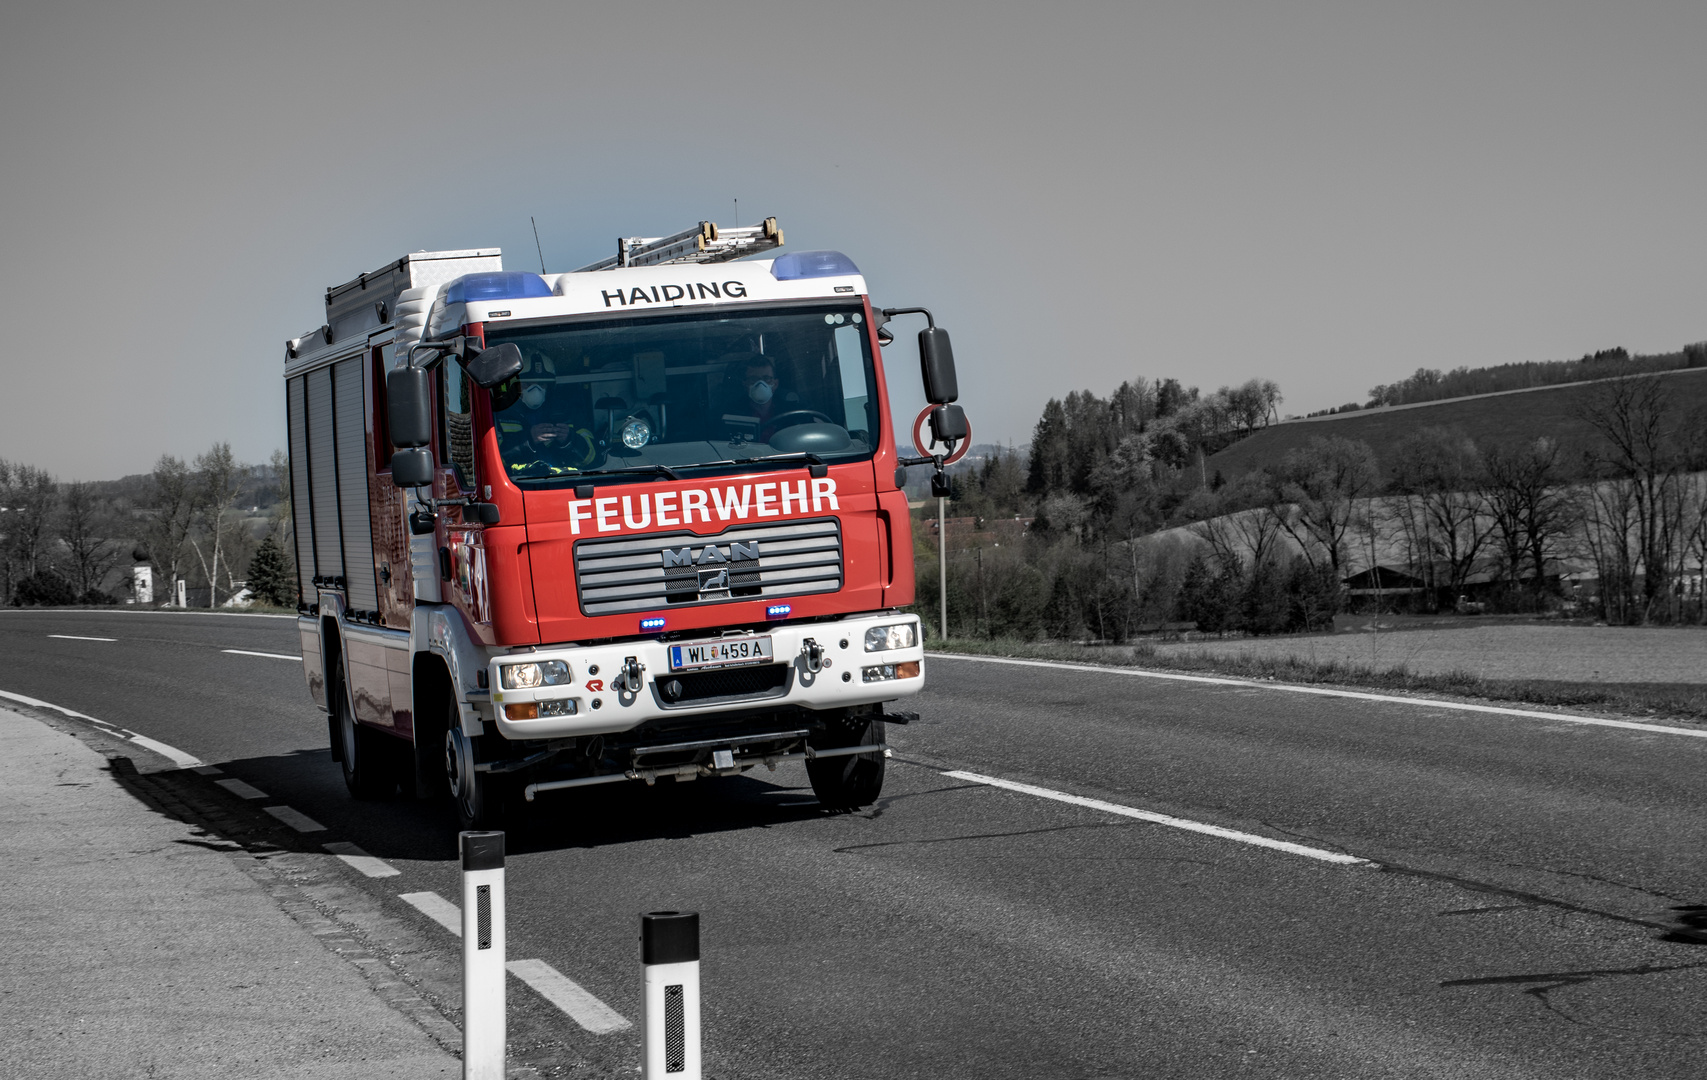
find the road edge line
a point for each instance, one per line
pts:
(1322, 691)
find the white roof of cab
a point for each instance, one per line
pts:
(651, 289)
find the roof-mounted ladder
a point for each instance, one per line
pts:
(704, 243)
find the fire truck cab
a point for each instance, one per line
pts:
(642, 520)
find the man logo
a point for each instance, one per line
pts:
(711, 555)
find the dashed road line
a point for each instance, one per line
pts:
(569, 996)
(1319, 691)
(241, 790)
(370, 865)
(436, 908)
(575, 1001)
(79, 637)
(1164, 819)
(296, 819)
(208, 770)
(268, 655)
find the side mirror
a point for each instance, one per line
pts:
(936, 364)
(484, 513)
(409, 408)
(412, 467)
(948, 423)
(490, 367)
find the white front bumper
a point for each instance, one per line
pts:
(598, 708)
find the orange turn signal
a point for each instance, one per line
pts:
(529, 710)
(908, 670)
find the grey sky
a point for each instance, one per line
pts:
(1327, 195)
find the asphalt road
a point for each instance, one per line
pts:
(1511, 920)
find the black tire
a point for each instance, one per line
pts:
(368, 763)
(853, 780)
(479, 797)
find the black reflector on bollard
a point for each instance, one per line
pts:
(482, 850)
(669, 937)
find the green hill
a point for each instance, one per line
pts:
(1510, 415)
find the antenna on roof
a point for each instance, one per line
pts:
(537, 248)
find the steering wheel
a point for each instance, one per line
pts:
(781, 420)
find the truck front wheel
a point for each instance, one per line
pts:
(478, 796)
(849, 781)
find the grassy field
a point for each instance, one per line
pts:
(1521, 414)
(1491, 674)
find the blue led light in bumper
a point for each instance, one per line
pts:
(497, 285)
(654, 623)
(806, 264)
(778, 611)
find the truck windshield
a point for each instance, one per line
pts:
(683, 391)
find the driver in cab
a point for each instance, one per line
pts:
(766, 399)
(539, 434)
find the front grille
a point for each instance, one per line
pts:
(661, 570)
(725, 684)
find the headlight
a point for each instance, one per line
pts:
(636, 432)
(528, 676)
(884, 638)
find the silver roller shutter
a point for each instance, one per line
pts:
(323, 468)
(303, 518)
(361, 588)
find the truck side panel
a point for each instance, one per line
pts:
(323, 476)
(350, 424)
(297, 408)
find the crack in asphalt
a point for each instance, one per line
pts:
(854, 848)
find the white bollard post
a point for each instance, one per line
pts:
(669, 951)
(483, 1022)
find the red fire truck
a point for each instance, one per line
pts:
(639, 521)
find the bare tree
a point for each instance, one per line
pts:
(219, 479)
(1533, 511)
(1642, 450)
(30, 497)
(175, 498)
(1317, 488)
(1439, 475)
(86, 527)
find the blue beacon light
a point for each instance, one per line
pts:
(496, 285)
(654, 623)
(778, 611)
(810, 264)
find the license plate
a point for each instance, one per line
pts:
(725, 653)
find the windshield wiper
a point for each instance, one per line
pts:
(816, 462)
(632, 469)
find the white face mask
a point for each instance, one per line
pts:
(760, 392)
(533, 396)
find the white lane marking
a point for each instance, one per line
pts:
(177, 756)
(76, 637)
(370, 865)
(570, 996)
(296, 819)
(241, 790)
(208, 770)
(269, 655)
(1163, 819)
(436, 908)
(172, 753)
(1289, 688)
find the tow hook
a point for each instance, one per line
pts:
(630, 677)
(814, 653)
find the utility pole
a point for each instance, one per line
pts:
(942, 558)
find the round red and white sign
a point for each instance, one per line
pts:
(927, 447)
